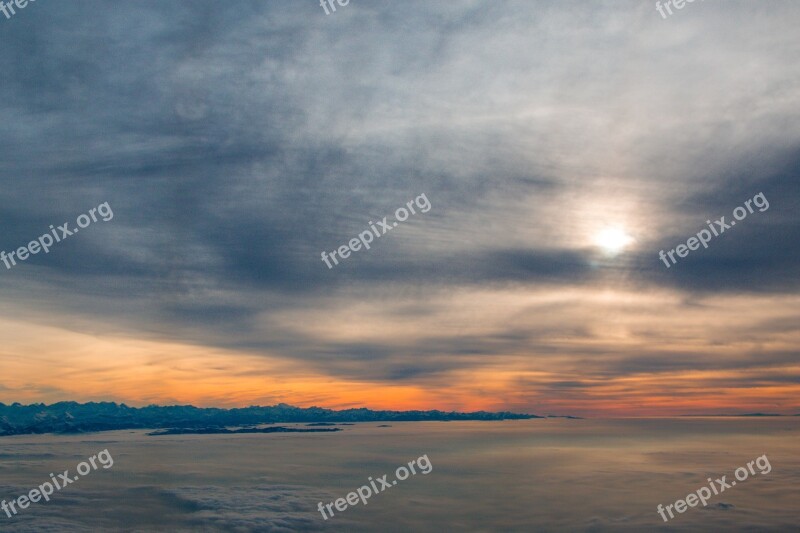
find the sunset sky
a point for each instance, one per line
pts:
(562, 145)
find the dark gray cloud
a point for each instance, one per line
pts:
(235, 143)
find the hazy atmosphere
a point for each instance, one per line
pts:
(563, 207)
(235, 144)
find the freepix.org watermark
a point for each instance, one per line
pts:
(703, 494)
(44, 242)
(679, 4)
(46, 489)
(5, 7)
(718, 228)
(325, 3)
(366, 237)
(365, 491)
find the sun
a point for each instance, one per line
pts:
(613, 240)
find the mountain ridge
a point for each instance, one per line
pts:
(74, 417)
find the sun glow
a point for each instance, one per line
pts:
(613, 240)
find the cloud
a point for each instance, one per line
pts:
(236, 144)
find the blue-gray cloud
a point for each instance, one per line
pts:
(236, 143)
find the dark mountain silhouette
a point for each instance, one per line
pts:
(72, 417)
(226, 431)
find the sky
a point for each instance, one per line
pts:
(561, 145)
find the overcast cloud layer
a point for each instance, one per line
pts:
(237, 141)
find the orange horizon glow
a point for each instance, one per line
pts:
(138, 372)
